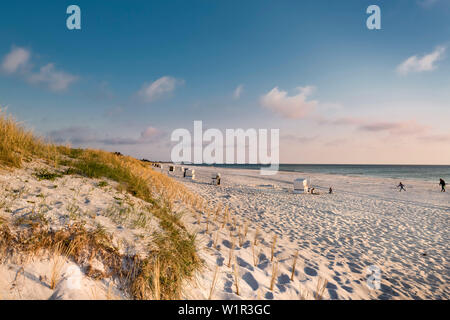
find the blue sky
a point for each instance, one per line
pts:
(139, 69)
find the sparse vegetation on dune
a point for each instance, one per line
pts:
(171, 259)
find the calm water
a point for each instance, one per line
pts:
(418, 172)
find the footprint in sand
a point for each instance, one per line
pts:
(219, 261)
(269, 296)
(310, 272)
(251, 281)
(244, 264)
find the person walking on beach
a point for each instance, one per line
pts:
(330, 191)
(442, 184)
(401, 186)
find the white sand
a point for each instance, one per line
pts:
(365, 222)
(64, 201)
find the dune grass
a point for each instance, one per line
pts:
(45, 174)
(18, 144)
(175, 256)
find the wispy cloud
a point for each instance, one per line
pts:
(54, 79)
(238, 91)
(396, 128)
(408, 127)
(159, 88)
(336, 142)
(348, 121)
(15, 60)
(299, 139)
(18, 61)
(292, 107)
(82, 135)
(421, 64)
(149, 133)
(435, 138)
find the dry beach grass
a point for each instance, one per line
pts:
(172, 254)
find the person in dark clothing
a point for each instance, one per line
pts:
(442, 184)
(401, 186)
(330, 191)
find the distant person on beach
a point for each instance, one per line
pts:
(442, 184)
(401, 186)
(330, 191)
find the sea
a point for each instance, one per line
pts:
(416, 172)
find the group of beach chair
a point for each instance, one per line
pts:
(187, 173)
(301, 185)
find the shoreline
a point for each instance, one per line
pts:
(356, 174)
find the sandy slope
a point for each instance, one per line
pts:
(365, 222)
(64, 201)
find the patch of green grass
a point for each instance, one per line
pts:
(44, 174)
(70, 171)
(92, 164)
(102, 184)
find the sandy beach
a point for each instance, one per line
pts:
(365, 222)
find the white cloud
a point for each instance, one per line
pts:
(56, 80)
(292, 107)
(85, 135)
(159, 88)
(18, 61)
(395, 128)
(238, 91)
(15, 60)
(420, 64)
(149, 132)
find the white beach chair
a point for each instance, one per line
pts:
(189, 173)
(301, 185)
(216, 179)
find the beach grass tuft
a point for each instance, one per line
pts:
(294, 265)
(320, 288)
(274, 243)
(236, 276)
(274, 274)
(213, 283)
